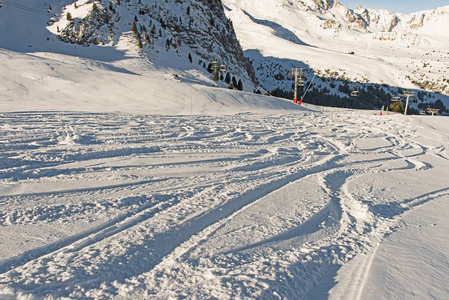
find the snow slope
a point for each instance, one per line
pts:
(52, 81)
(174, 34)
(40, 72)
(306, 205)
(365, 45)
(122, 180)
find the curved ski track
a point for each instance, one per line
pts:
(151, 194)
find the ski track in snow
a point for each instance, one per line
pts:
(240, 206)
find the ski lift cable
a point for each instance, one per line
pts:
(23, 7)
(26, 8)
(308, 87)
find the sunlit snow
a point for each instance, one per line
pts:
(123, 179)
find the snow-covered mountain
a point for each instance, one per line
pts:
(328, 39)
(198, 26)
(169, 34)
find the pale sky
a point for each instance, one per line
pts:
(400, 6)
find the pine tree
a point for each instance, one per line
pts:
(190, 58)
(230, 86)
(135, 28)
(69, 16)
(240, 85)
(209, 68)
(228, 78)
(118, 2)
(167, 44)
(397, 107)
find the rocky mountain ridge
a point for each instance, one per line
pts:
(197, 28)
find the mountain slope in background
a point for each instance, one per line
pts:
(199, 28)
(328, 39)
(173, 39)
(378, 52)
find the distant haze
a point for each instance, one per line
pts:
(399, 6)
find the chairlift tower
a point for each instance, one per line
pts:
(433, 111)
(297, 72)
(408, 95)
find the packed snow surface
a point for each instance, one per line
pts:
(299, 205)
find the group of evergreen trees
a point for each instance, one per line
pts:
(143, 30)
(218, 75)
(438, 104)
(371, 97)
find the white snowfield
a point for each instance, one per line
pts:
(122, 180)
(274, 202)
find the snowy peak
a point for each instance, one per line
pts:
(318, 4)
(433, 22)
(377, 20)
(336, 17)
(422, 22)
